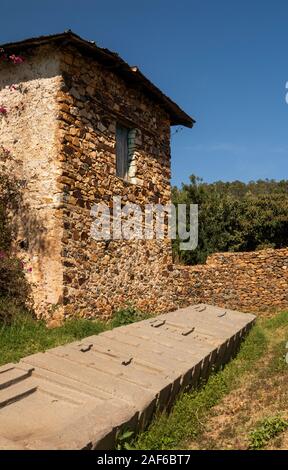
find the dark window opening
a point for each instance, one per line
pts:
(124, 150)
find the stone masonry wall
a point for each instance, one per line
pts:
(60, 129)
(253, 281)
(101, 276)
(30, 132)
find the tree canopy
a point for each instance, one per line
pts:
(235, 216)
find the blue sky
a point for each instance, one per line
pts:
(225, 62)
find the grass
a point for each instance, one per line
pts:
(278, 321)
(26, 336)
(266, 430)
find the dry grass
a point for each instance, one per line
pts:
(241, 407)
(260, 395)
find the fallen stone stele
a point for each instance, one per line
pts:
(80, 395)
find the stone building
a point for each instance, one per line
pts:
(83, 126)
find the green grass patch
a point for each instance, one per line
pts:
(127, 315)
(27, 336)
(24, 335)
(266, 430)
(169, 431)
(278, 362)
(276, 329)
(278, 321)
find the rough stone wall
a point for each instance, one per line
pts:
(29, 131)
(60, 129)
(101, 276)
(252, 281)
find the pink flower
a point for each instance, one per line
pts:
(2, 255)
(6, 151)
(16, 59)
(3, 110)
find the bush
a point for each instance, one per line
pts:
(12, 279)
(127, 315)
(14, 289)
(5, 236)
(11, 310)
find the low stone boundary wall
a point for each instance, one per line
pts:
(251, 281)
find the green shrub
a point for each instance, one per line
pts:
(127, 315)
(14, 288)
(124, 439)
(266, 430)
(12, 279)
(5, 236)
(10, 310)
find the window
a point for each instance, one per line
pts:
(124, 150)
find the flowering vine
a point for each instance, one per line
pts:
(16, 60)
(9, 187)
(3, 110)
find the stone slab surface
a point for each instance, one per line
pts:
(80, 395)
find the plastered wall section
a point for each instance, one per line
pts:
(30, 132)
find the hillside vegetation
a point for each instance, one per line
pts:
(235, 216)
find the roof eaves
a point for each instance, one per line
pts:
(132, 74)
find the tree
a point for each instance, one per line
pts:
(235, 216)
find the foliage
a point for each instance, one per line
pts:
(13, 286)
(5, 236)
(265, 431)
(14, 289)
(124, 439)
(235, 216)
(127, 315)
